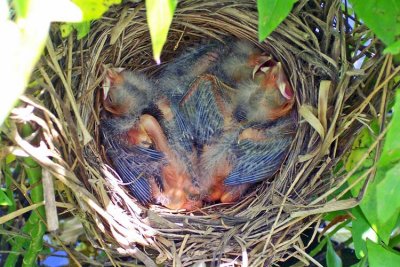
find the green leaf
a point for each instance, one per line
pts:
(361, 263)
(21, 7)
(91, 10)
(6, 169)
(361, 230)
(332, 259)
(389, 197)
(159, 17)
(391, 149)
(381, 203)
(94, 9)
(10, 158)
(360, 146)
(270, 14)
(27, 37)
(333, 214)
(4, 199)
(393, 49)
(319, 247)
(381, 16)
(327, 237)
(379, 256)
(66, 29)
(394, 241)
(82, 29)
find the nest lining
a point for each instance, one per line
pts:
(333, 101)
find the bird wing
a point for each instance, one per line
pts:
(257, 160)
(177, 75)
(201, 111)
(186, 65)
(136, 165)
(181, 131)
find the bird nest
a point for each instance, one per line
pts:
(319, 46)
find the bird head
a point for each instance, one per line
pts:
(242, 59)
(126, 93)
(277, 94)
(268, 95)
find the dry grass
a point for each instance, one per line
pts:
(334, 100)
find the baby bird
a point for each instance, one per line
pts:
(240, 119)
(138, 146)
(240, 83)
(268, 96)
(175, 77)
(256, 76)
(219, 123)
(243, 156)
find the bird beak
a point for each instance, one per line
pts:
(106, 88)
(283, 84)
(113, 76)
(260, 65)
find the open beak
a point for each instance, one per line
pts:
(113, 75)
(261, 65)
(106, 88)
(283, 84)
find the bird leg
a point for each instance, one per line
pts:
(154, 131)
(233, 193)
(178, 188)
(252, 134)
(138, 136)
(212, 185)
(165, 107)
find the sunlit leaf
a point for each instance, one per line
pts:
(4, 200)
(21, 7)
(391, 149)
(10, 158)
(159, 17)
(270, 14)
(381, 16)
(332, 259)
(358, 264)
(361, 230)
(381, 203)
(23, 43)
(360, 146)
(378, 256)
(66, 29)
(94, 9)
(82, 29)
(393, 49)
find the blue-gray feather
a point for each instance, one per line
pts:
(134, 164)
